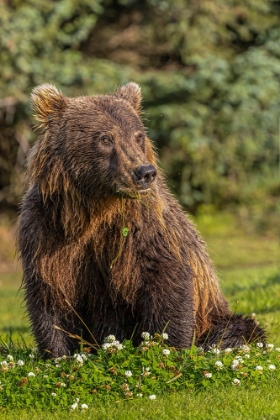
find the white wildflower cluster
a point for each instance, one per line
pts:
(4, 364)
(219, 365)
(214, 349)
(165, 336)
(235, 363)
(227, 350)
(146, 371)
(236, 382)
(128, 373)
(76, 405)
(30, 374)
(111, 344)
(259, 368)
(259, 345)
(166, 352)
(80, 358)
(245, 348)
(11, 364)
(270, 347)
(271, 367)
(152, 397)
(146, 336)
(207, 375)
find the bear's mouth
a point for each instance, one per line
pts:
(144, 192)
(134, 194)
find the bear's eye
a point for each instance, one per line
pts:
(106, 140)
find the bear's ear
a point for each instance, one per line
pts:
(131, 93)
(47, 102)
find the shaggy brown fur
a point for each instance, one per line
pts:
(92, 172)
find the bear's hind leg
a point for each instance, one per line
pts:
(231, 332)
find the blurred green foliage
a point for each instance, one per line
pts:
(209, 71)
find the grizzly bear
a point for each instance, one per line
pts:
(105, 247)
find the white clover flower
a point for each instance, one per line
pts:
(239, 358)
(277, 349)
(106, 346)
(260, 368)
(48, 365)
(30, 374)
(147, 369)
(228, 350)
(260, 345)
(219, 364)
(57, 359)
(165, 336)
(20, 362)
(214, 349)
(54, 394)
(110, 338)
(79, 358)
(77, 400)
(84, 356)
(84, 406)
(271, 367)
(245, 348)
(152, 397)
(139, 395)
(145, 335)
(236, 382)
(268, 346)
(207, 375)
(247, 356)
(10, 357)
(32, 356)
(62, 384)
(128, 373)
(119, 346)
(57, 366)
(234, 364)
(74, 406)
(4, 363)
(166, 352)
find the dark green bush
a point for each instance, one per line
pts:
(210, 73)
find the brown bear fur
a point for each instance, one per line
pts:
(81, 273)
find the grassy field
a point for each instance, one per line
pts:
(248, 265)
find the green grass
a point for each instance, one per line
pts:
(248, 266)
(233, 404)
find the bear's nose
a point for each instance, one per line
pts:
(144, 175)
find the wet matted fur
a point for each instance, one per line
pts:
(92, 172)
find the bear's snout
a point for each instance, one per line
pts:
(144, 175)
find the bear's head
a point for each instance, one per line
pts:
(97, 144)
